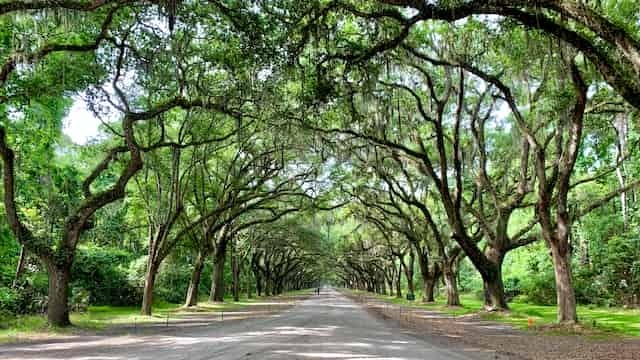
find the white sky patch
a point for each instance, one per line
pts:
(80, 124)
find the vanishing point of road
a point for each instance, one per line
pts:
(328, 326)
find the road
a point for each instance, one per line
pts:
(328, 326)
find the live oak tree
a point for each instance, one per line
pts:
(108, 28)
(603, 31)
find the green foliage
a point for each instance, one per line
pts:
(102, 274)
(173, 280)
(24, 299)
(9, 251)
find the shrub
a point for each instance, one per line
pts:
(25, 299)
(540, 288)
(100, 272)
(512, 287)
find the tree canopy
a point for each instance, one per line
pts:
(464, 145)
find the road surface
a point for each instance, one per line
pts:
(328, 326)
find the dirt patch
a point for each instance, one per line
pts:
(503, 340)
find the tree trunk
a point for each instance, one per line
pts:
(20, 267)
(235, 272)
(217, 278)
(564, 288)
(194, 283)
(267, 285)
(149, 284)
(399, 284)
(428, 285)
(621, 127)
(451, 283)
(408, 268)
(58, 305)
(429, 277)
(248, 283)
(494, 297)
(258, 284)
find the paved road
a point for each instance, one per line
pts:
(328, 326)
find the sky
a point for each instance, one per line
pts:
(81, 125)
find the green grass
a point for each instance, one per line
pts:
(100, 317)
(600, 320)
(95, 318)
(469, 303)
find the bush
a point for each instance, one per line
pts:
(9, 251)
(540, 288)
(25, 299)
(512, 288)
(100, 272)
(591, 288)
(172, 279)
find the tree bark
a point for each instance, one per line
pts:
(565, 293)
(217, 278)
(429, 276)
(235, 271)
(267, 286)
(258, 283)
(248, 283)
(149, 284)
(494, 299)
(194, 283)
(399, 284)
(428, 286)
(58, 305)
(20, 267)
(451, 283)
(621, 127)
(409, 269)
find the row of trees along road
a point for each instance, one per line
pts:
(451, 129)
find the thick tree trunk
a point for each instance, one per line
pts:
(267, 286)
(494, 296)
(58, 305)
(428, 285)
(194, 283)
(429, 277)
(399, 284)
(564, 288)
(149, 284)
(258, 284)
(408, 268)
(217, 278)
(494, 299)
(451, 284)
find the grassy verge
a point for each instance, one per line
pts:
(602, 321)
(101, 317)
(469, 303)
(599, 320)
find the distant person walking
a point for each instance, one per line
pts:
(318, 291)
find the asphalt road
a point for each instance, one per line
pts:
(328, 326)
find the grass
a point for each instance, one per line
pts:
(470, 305)
(101, 317)
(614, 321)
(600, 321)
